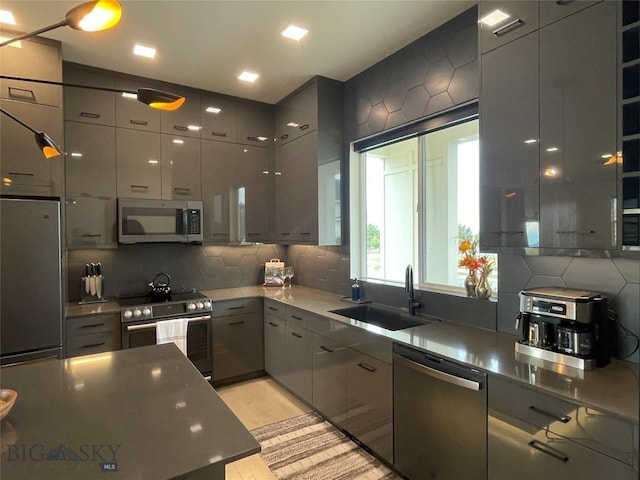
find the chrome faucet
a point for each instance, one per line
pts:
(408, 287)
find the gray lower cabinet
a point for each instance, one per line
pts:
(509, 176)
(238, 339)
(92, 334)
(138, 156)
(370, 403)
(275, 336)
(534, 435)
(330, 379)
(299, 361)
(578, 121)
(25, 170)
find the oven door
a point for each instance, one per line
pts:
(199, 348)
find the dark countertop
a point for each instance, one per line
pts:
(614, 388)
(149, 405)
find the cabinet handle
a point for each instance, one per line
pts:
(296, 317)
(305, 234)
(564, 2)
(297, 335)
(273, 308)
(273, 324)
(304, 127)
(553, 453)
(91, 325)
(182, 190)
(322, 347)
(93, 345)
(284, 137)
(219, 134)
(235, 308)
(578, 232)
(253, 139)
(139, 122)
(285, 234)
(367, 367)
(91, 234)
(139, 187)
(563, 419)
(24, 174)
(508, 27)
(20, 92)
(181, 128)
(240, 322)
(509, 232)
(89, 115)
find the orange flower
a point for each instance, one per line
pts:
(465, 246)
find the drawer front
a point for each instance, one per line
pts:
(520, 451)
(588, 426)
(93, 343)
(93, 324)
(274, 308)
(298, 318)
(236, 307)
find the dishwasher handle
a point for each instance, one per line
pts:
(440, 375)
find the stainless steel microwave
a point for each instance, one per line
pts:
(148, 221)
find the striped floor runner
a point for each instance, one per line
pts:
(309, 448)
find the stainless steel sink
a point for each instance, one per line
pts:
(386, 318)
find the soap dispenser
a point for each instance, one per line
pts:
(355, 290)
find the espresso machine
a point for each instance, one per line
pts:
(565, 326)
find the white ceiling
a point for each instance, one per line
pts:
(206, 44)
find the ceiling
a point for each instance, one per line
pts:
(206, 44)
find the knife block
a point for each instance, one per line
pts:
(86, 297)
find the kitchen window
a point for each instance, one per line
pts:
(412, 201)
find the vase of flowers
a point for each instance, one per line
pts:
(473, 263)
(483, 288)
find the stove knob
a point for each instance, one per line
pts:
(207, 304)
(137, 312)
(127, 314)
(146, 311)
(191, 306)
(200, 305)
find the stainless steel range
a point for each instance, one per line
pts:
(141, 314)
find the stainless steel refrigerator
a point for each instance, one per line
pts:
(30, 279)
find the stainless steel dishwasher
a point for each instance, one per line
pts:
(440, 417)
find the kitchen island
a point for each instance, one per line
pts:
(143, 413)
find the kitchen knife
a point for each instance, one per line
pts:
(92, 280)
(99, 280)
(87, 275)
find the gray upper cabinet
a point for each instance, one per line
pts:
(521, 18)
(550, 11)
(308, 169)
(185, 120)
(219, 116)
(253, 187)
(297, 114)
(578, 129)
(39, 59)
(138, 156)
(218, 175)
(130, 113)
(509, 175)
(90, 185)
(254, 123)
(25, 170)
(87, 105)
(181, 172)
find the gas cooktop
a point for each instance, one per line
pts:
(146, 308)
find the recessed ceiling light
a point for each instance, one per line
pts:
(294, 32)
(248, 76)
(130, 95)
(7, 17)
(143, 51)
(293, 124)
(179, 141)
(213, 109)
(494, 18)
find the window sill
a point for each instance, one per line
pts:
(430, 287)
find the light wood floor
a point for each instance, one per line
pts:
(257, 403)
